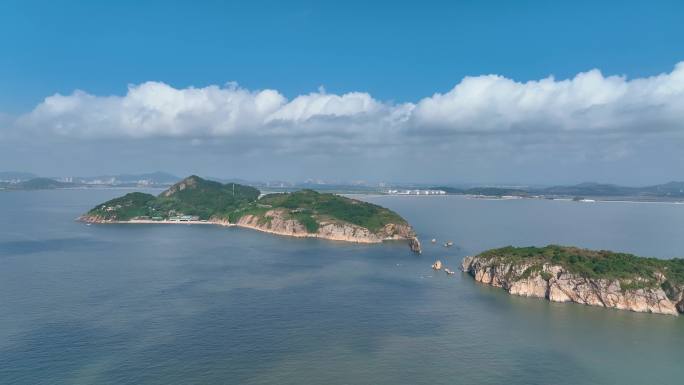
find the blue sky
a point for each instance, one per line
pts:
(395, 52)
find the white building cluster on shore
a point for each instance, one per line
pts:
(416, 192)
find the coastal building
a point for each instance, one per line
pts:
(184, 218)
(416, 192)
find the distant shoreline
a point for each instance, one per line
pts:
(616, 199)
(622, 199)
(517, 198)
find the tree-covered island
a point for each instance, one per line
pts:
(304, 213)
(591, 277)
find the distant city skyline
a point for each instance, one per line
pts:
(490, 92)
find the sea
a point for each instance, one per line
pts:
(202, 304)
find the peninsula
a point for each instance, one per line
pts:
(304, 213)
(596, 278)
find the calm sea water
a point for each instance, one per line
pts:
(170, 304)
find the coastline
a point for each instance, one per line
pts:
(555, 283)
(616, 199)
(359, 240)
(163, 222)
(87, 219)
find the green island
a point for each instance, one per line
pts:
(37, 184)
(601, 264)
(591, 277)
(304, 213)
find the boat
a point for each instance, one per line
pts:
(433, 240)
(448, 244)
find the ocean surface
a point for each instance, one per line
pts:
(193, 304)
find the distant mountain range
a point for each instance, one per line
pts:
(38, 184)
(154, 178)
(667, 190)
(12, 176)
(28, 181)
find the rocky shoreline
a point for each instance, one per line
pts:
(278, 224)
(555, 283)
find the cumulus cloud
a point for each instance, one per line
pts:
(588, 102)
(156, 109)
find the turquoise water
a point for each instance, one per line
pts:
(183, 304)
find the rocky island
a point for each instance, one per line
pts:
(304, 213)
(596, 278)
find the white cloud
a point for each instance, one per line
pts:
(589, 102)
(156, 109)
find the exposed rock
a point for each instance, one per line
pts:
(91, 219)
(414, 244)
(277, 221)
(557, 284)
(274, 221)
(188, 182)
(437, 265)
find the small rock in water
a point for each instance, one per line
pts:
(437, 265)
(414, 244)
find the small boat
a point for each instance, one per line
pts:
(448, 244)
(433, 240)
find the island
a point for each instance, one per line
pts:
(596, 278)
(304, 213)
(36, 184)
(671, 191)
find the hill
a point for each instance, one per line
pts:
(587, 189)
(312, 207)
(192, 196)
(149, 179)
(38, 184)
(590, 189)
(591, 277)
(304, 213)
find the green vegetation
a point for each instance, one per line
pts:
(306, 219)
(333, 207)
(205, 200)
(192, 196)
(546, 275)
(667, 190)
(632, 271)
(126, 207)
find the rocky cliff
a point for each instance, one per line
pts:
(304, 213)
(556, 283)
(277, 221)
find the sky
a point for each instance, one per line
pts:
(484, 92)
